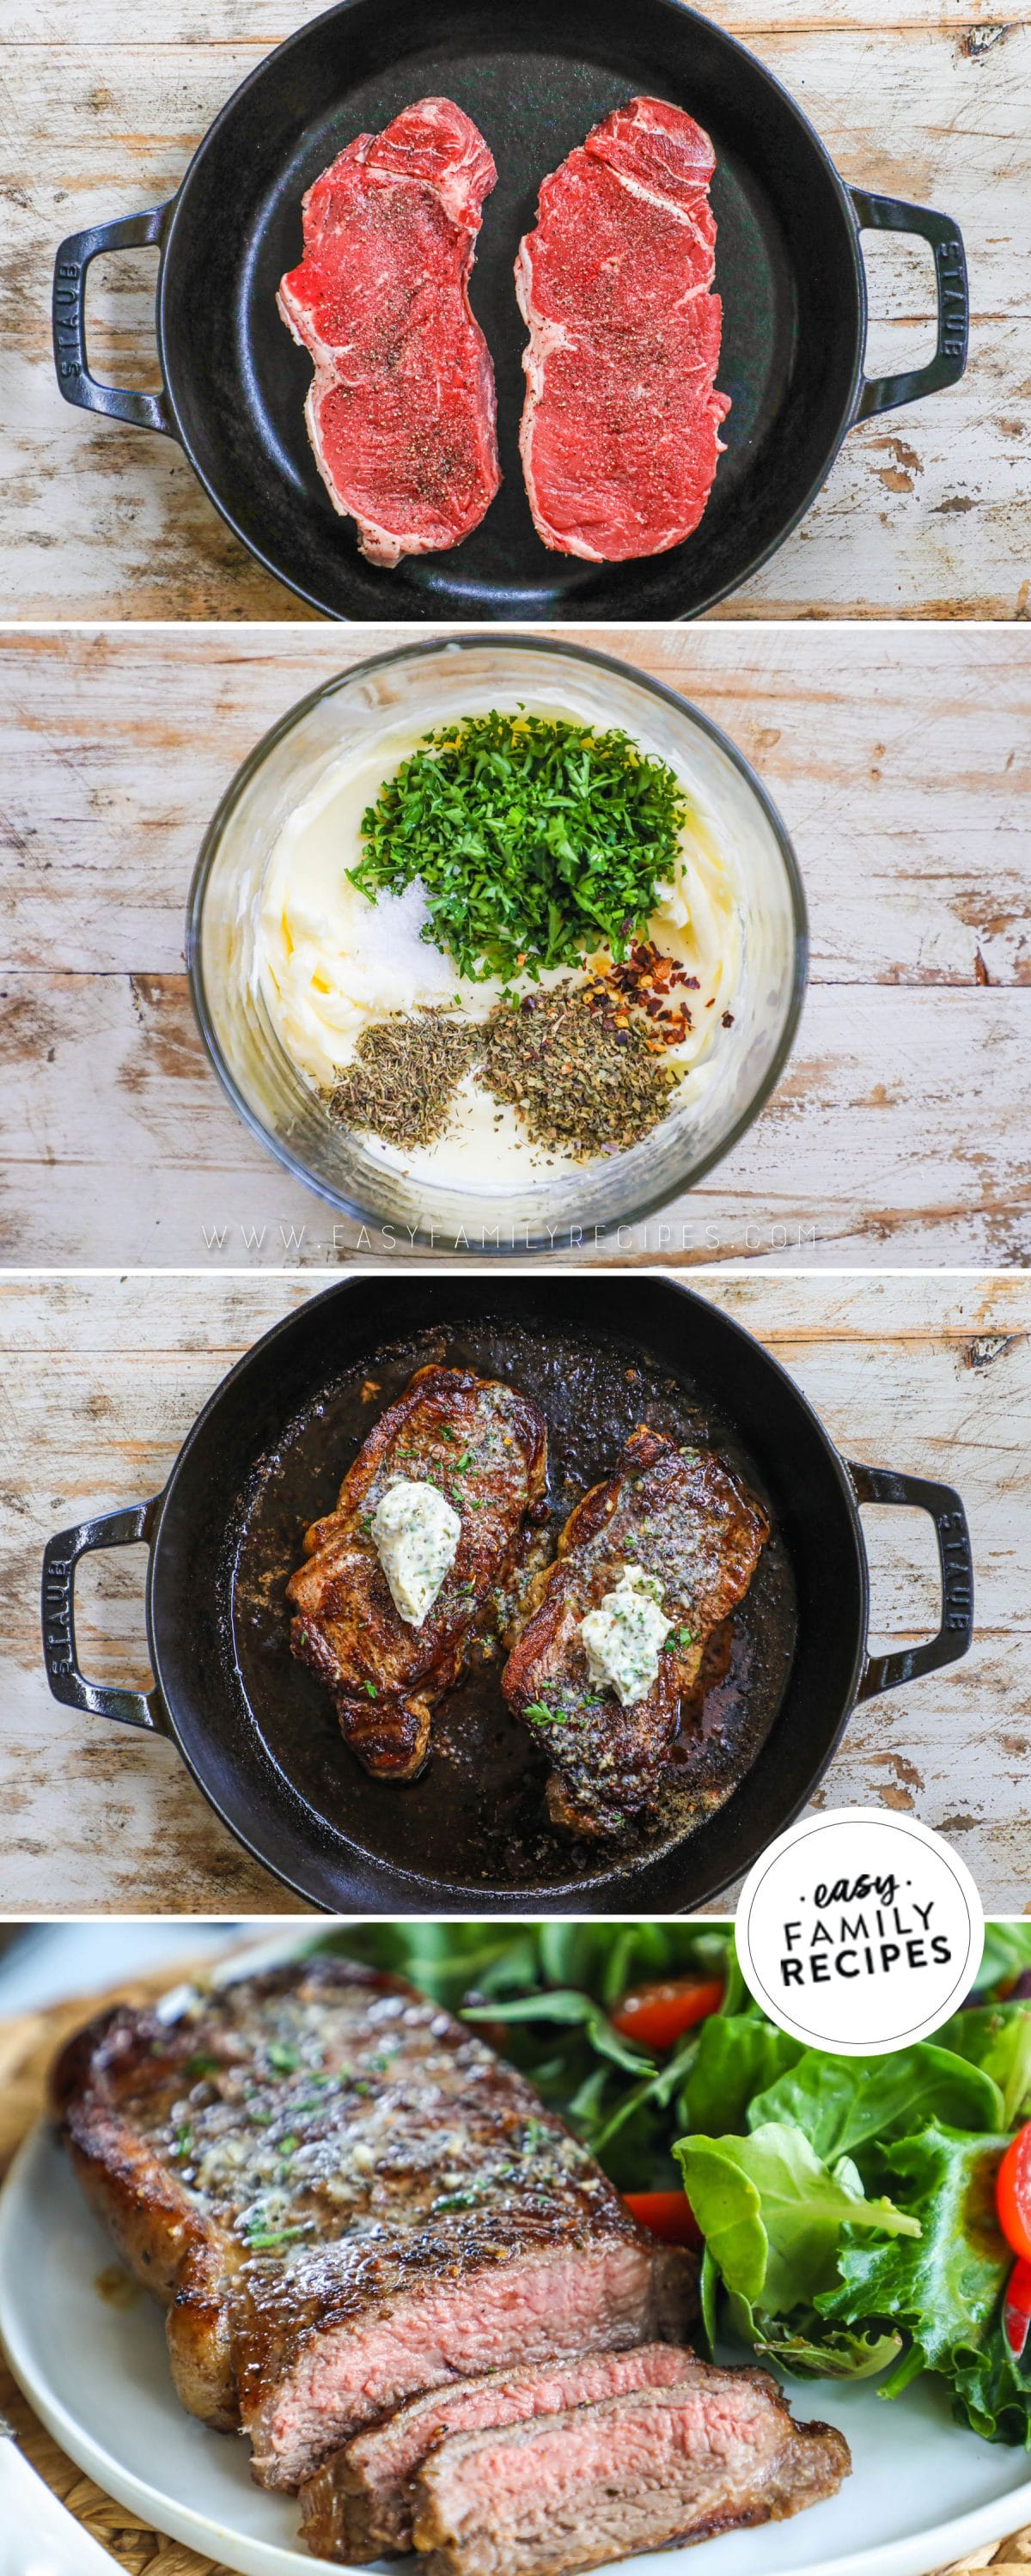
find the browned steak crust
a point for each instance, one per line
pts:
(653, 2468)
(343, 2198)
(485, 1447)
(679, 1515)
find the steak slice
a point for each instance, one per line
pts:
(679, 1515)
(650, 2468)
(343, 2198)
(620, 430)
(485, 1448)
(401, 409)
(359, 2503)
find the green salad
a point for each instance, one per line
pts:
(847, 2206)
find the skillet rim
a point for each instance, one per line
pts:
(484, 639)
(631, 1880)
(809, 139)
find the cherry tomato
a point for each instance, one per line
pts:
(1013, 2193)
(665, 2213)
(1016, 2315)
(659, 2015)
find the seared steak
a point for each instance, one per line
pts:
(620, 431)
(344, 2198)
(359, 2504)
(485, 1450)
(679, 1517)
(401, 409)
(645, 2470)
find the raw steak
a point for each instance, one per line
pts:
(401, 409)
(645, 2470)
(620, 431)
(359, 2504)
(343, 2197)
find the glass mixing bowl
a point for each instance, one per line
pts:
(421, 685)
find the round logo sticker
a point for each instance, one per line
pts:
(859, 1931)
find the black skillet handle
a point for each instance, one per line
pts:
(889, 214)
(128, 232)
(881, 1485)
(60, 1558)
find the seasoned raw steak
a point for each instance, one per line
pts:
(344, 2198)
(679, 1516)
(359, 2503)
(620, 431)
(651, 2468)
(485, 1448)
(401, 409)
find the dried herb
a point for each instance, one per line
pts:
(404, 1074)
(580, 1086)
(536, 839)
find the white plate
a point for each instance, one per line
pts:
(922, 2492)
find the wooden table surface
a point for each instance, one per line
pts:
(28, 2043)
(100, 1380)
(900, 761)
(926, 512)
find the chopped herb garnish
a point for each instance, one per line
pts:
(369, 1689)
(202, 2066)
(539, 1715)
(537, 840)
(283, 2060)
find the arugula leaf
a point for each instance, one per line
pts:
(772, 2212)
(570, 2009)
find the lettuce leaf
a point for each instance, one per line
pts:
(944, 2289)
(772, 2211)
(736, 2057)
(844, 2105)
(997, 2037)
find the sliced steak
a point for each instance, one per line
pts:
(620, 431)
(679, 1516)
(359, 2504)
(485, 1449)
(401, 411)
(645, 2470)
(343, 2198)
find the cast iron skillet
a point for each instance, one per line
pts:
(271, 1804)
(790, 271)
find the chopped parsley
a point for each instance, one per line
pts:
(283, 2060)
(537, 840)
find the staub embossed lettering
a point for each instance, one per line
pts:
(57, 1614)
(953, 295)
(68, 280)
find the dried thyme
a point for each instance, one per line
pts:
(403, 1076)
(536, 840)
(580, 1086)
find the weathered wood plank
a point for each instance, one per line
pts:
(900, 762)
(102, 1378)
(923, 515)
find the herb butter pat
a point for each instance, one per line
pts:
(624, 1637)
(415, 1534)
